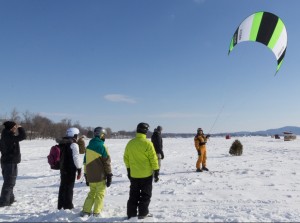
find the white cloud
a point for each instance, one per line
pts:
(119, 98)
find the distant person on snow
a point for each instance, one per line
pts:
(97, 168)
(70, 164)
(10, 157)
(157, 141)
(200, 145)
(141, 162)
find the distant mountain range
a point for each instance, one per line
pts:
(294, 129)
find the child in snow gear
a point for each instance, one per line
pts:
(10, 157)
(157, 141)
(141, 162)
(200, 144)
(97, 168)
(70, 164)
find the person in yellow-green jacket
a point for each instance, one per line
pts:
(97, 169)
(141, 162)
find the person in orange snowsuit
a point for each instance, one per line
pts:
(200, 145)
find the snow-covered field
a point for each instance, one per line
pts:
(261, 185)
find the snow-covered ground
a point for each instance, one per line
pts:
(261, 185)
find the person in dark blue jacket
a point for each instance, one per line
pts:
(10, 157)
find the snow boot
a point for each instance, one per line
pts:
(98, 215)
(146, 216)
(84, 214)
(131, 217)
(2, 204)
(12, 200)
(204, 168)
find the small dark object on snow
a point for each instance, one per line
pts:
(236, 148)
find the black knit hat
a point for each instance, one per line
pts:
(9, 124)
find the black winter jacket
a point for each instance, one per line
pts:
(67, 165)
(10, 147)
(156, 139)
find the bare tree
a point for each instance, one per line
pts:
(38, 126)
(27, 123)
(14, 116)
(41, 126)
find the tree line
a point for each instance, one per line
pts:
(38, 126)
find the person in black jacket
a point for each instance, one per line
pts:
(70, 164)
(157, 141)
(10, 157)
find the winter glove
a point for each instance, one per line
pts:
(199, 152)
(128, 173)
(108, 179)
(78, 174)
(207, 136)
(156, 173)
(162, 155)
(86, 182)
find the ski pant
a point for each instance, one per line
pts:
(65, 194)
(201, 159)
(139, 196)
(9, 173)
(95, 197)
(159, 159)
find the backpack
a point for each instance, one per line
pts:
(54, 157)
(81, 145)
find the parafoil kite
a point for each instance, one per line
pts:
(266, 28)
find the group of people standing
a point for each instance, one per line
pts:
(142, 159)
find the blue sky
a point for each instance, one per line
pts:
(115, 63)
